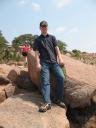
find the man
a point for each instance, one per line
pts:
(46, 45)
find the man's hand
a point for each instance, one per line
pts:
(59, 56)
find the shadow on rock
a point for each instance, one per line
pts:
(22, 80)
(81, 115)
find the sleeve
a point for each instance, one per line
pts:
(35, 45)
(55, 42)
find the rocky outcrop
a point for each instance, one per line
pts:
(17, 75)
(33, 72)
(22, 111)
(6, 91)
(80, 85)
(12, 77)
(23, 81)
(4, 80)
(7, 88)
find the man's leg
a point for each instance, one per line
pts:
(60, 81)
(59, 100)
(45, 87)
(45, 82)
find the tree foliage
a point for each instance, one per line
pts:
(77, 53)
(62, 46)
(3, 46)
(3, 41)
(22, 39)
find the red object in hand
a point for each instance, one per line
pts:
(25, 49)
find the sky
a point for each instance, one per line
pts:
(71, 21)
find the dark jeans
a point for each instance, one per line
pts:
(45, 80)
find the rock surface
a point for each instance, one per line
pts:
(4, 80)
(32, 70)
(7, 91)
(80, 87)
(7, 88)
(17, 75)
(23, 81)
(22, 111)
(10, 78)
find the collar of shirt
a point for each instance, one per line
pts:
(44, 35)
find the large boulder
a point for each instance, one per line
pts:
(23, 81)
(7, 78)
(22, 111)
(17, 75)
(4, 80)
(80, 87)
(7, 91)
(10, 72)
(80, 84)
(34, 73)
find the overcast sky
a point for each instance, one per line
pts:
(72, 21)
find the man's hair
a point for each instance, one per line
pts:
(43, 23)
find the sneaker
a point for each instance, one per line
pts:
(60, 103)
(44, 107)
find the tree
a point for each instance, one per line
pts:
(3, 46)
(77, 53)
(62, 46)
(3, 41)
(22, 39)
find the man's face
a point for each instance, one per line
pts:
(44, 29)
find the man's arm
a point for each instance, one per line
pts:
(58, 52)
(59, 56)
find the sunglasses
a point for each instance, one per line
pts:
(43, 26)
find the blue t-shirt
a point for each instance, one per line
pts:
(46, 47)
